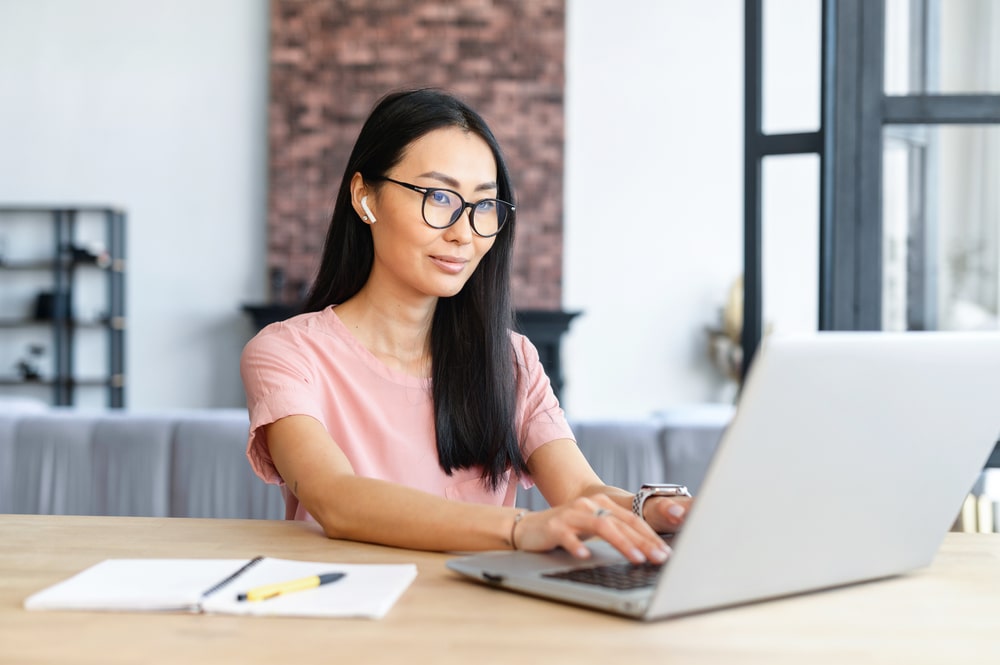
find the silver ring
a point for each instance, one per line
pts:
(601, 512)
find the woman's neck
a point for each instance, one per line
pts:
(396, 333)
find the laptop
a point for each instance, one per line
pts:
(847, 460)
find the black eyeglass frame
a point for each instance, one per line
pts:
(427, 191)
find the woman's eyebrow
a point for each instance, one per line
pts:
(451, 182)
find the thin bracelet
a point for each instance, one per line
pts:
(517, 518)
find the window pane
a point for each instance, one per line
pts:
(791, 61)
(941, 222)
(790, 255)
(901, 26)
(942, 46)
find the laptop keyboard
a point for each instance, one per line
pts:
(621, 576)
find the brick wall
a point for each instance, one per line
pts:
(332, 59)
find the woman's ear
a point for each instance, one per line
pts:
(360, 199)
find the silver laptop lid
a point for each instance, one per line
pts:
(847, 460)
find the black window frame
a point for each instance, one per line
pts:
(854, 110)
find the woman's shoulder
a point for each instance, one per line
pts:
(296, 331)
(323, 321)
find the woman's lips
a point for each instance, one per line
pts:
(450, 264)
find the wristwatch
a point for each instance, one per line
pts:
(652, 489)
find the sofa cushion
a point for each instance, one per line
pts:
(132, 456)
(211, 476)
(689, 436)
(53, 461)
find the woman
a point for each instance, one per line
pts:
(400, 408)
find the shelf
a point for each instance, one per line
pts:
(36, 323)
(72, 259)
(48, 264)
(94, 381)
(64, 208)
(39, 264)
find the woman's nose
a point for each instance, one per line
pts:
(461, 230)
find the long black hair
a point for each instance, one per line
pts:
(474, 374)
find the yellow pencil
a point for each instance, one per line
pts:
(279, 588)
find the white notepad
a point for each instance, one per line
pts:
(212, 585)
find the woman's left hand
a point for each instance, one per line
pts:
(666, 513)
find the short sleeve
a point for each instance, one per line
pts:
(279, 381)
(540, 418)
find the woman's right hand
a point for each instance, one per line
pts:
(568, 525)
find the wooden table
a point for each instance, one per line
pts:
(948, 613)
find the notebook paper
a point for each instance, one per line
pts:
(172, 585)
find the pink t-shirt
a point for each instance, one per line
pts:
(382, 419)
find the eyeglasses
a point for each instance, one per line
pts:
(442, 207)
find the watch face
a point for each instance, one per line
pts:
(665, 490)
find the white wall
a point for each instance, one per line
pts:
(159, 107)
(653, 203)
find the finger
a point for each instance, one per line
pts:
(667, 514)
(628, 534)
(584, 518)
(572, 544)
(643, 530)
(566, 533)
(544, 530)
(601, 516)
(673, 510)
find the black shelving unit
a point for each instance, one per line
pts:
(58, 283)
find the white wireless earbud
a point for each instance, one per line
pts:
(368, 213)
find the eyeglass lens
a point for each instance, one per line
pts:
(443, 207)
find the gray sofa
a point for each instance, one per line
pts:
(188, 463)
(672, 446)
(192, 463)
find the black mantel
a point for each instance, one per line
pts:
(544, 328)
(267, 313)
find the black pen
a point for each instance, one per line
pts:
(291, 586)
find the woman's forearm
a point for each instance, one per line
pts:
(370, 510)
